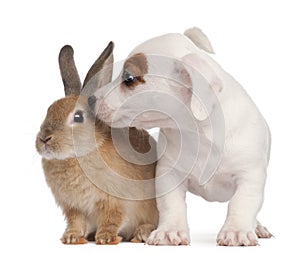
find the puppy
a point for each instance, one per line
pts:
(213, 140)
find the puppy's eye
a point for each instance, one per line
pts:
(128, 79)
(78, 117)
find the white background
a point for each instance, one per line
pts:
(257, 42)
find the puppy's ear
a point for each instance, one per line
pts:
(101, 71)
(204, 83)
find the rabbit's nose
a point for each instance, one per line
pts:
(92, 101)
(46, 139)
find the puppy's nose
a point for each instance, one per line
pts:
(92, 101)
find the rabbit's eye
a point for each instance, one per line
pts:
(128, 79)
(78, 117)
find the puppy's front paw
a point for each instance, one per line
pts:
(107, 238)
(169, 237)
(73, 237)
(237, 238)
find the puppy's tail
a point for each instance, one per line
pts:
(199, 39)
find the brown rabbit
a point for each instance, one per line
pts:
(101, 194)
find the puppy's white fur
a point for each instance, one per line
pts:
(241, 173)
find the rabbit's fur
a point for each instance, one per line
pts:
(80, 163)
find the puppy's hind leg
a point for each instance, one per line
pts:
(240, 224)
(261, 231)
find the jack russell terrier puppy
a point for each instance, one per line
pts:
(213, 140)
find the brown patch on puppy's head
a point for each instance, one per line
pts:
(135, 68)
(137, 64)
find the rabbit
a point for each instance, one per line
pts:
(80, 164)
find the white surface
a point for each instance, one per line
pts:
(256, 41)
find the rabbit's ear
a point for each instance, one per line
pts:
(68, 71)
(100, 73)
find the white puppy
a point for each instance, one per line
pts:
(213, 140)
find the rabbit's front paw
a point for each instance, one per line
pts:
(73, 237)
(142, 233)
(106, 237)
